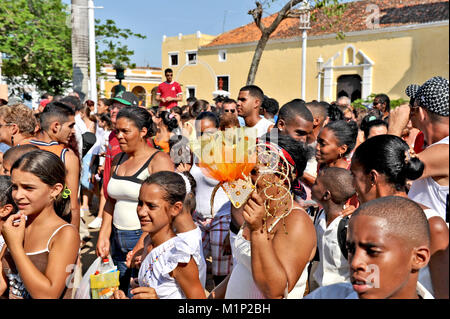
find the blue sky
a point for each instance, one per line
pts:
(155, 18)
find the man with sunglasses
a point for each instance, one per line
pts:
(230, 106)
(430, 114)
(383, 103)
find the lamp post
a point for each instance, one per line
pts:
(319, 64)
(120, 75)
(305, 17)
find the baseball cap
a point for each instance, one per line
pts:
(433, 95)
(127, 98)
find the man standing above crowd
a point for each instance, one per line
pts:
(169, 93)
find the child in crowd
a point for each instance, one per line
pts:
(185, 228)
(170, 270)
(388, 243)
(381, 167)
(332, 189)
(7, 206)
(41, 249)
(13, 154)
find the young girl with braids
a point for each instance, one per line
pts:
(41, 245)
(170, 270)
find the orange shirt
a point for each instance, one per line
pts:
(53, 147)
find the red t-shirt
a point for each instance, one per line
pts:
(165, 90)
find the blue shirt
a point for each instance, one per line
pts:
(4, 147)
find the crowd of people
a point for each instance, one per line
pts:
(369, 187)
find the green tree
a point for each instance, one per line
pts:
(35, 42)
(109, 48)
(35, 39)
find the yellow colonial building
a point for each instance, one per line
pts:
(386, 46)
(142, 81)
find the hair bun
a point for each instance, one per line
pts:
(414, 167)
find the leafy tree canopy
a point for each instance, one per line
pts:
(36, 44)
(35, 40)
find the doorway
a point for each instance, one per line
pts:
(349, 85)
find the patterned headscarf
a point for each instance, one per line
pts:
(434, 96)
(411, 90)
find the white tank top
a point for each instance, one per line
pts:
(241, 284)
(429, 193)
(125, 190)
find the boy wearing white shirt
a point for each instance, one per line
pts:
(331, 190)
(388, 242)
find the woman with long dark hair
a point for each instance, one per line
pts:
(121, 232)
(41, 249)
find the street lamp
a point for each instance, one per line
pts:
(319, 64)
(305, 17)
(120, 75)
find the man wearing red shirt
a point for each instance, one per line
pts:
(169, 93)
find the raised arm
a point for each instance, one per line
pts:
(278, 263)
(436, 161)
(62, 258)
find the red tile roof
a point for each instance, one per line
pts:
(392, 13)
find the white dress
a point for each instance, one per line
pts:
(241, 284)
(160, 262)
(194, 239)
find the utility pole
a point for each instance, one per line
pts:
(80, 47)
(92, 53)
(305, 15)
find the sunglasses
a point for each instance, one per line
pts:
(232, 111)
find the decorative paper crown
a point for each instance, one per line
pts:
(228, 159)
(231, 159)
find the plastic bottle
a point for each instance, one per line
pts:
(105, 266)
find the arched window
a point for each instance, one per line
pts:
(349, 55)
(141, 94)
